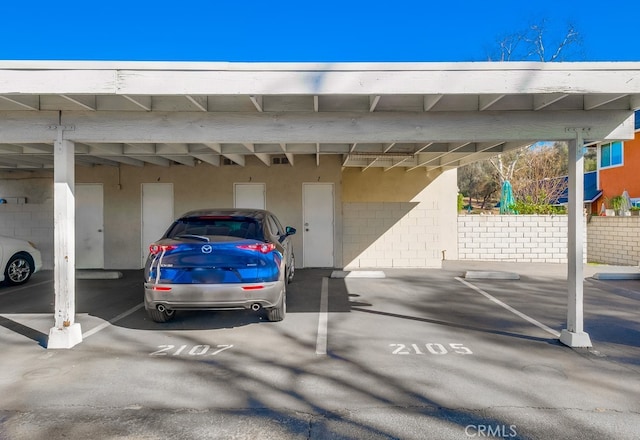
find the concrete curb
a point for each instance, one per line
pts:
(358, 274)
(98, 275)
(616, 276)
(490, 275)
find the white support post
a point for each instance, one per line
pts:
(66, 333)
(574, 335)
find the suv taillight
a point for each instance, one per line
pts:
(155, 248)
(263, 248)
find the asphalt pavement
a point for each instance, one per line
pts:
(418, 354)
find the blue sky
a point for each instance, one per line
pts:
(324, 31)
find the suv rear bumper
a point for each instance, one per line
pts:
(212, 296)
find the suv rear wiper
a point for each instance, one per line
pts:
(197, 237)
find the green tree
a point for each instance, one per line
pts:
(478, 181)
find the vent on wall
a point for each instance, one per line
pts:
(279, 160)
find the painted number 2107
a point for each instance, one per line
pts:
(185, 350)
(431, 348)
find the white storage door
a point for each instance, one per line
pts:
(318, 206)
(157, 213)
(89, 226)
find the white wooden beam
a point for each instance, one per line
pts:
(144, 102)
(388, 147)
(174, 148)
(592, 102)
(480, 148)
(371, 163)
(545, 100)
(199, 101)
(66, 333)
(237, 158)
(139, 149)
(121, 159)
(574, 335)
(237, 79)
(183, 160)
(257, 102)
(429, 101)
(431, 159)
(21, 127)
(84, 102)
(486, 101)
(286, 153)
(211, 159)
(396, 164)
(423, 147)
(373, 102)
(152, 159)
(214, 146)
(9, 148)
(26, 161)
(39, 148)
(348, 79)
(376, 127)
(28, 102)
(264, 158)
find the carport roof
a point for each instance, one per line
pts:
(408, 115)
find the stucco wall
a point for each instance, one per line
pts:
(200, 187)
(194, 187)
(398, 218)
(518, 238)
(614, 240)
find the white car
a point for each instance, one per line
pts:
(19, 259)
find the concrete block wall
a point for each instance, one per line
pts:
(517, 238)
(391, 234)
(33, 222)
(398, 219)
(614, 240)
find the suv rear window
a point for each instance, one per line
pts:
(242, 227)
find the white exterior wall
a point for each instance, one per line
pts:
(518, 238)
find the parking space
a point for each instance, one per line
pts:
(417, 354)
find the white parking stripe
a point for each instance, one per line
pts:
(104, 325)
(511, 309)
(323, 318)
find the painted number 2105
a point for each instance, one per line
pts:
(431, 348)
(186, 350)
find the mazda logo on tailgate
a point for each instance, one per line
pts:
(206, 249)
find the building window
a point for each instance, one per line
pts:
(611, 154)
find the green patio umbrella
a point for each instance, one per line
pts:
(506, 198)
